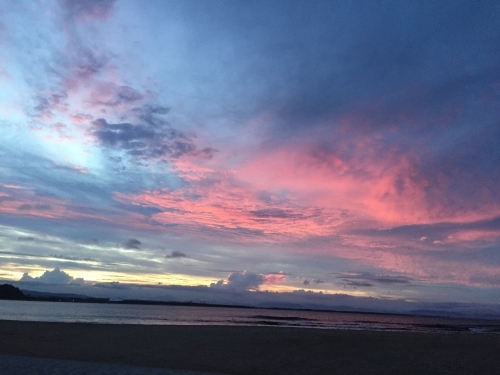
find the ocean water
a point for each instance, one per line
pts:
(187, 315)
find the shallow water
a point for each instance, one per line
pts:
(189, 315)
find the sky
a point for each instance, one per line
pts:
(341, 147)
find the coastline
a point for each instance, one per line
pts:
(254, 350)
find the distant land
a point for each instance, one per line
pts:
(10, 292)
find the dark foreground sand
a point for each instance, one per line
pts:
(256, 350)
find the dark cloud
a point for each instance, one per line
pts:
(207, 152)
(275, 213)
(26, 238)
(356, 284)
(176, 254)
(315, 281)
(155, 110)
(369, 280)
(432, 232)
(386, 279)
(289, 214)
(144, 141)
(151, 136)
(132, 243)
(128, 94)
(151, 114)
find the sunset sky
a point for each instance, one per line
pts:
(338, 146)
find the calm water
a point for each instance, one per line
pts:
(183, 315)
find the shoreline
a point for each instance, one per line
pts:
(254, 350)
(75, 312)
(24, 295)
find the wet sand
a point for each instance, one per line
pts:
(255, 350)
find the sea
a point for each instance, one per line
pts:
(109, 313)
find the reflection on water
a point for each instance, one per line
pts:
(188, 315)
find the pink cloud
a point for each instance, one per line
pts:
(228, 205)
(27, 203)
(328, 180)
(81, 169)
(12, 186)
(473, 236)
(364, 176)
(274, 278)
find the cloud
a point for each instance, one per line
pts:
(56, 276)
(369, 280)
(12, 186)
(88, 9)
(26, 238)
(112, 95)
(387, 279)
(242, 281)
(274, 278)
(143, 141)
(132, 244)
(247, 280)
(176, 254)
(85, 63)
(355, 284)
(315, 281)
(220, 201)
(39, 207)
(76, 259)
(47, 104)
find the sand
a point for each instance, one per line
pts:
(256, 350)
(19, 365)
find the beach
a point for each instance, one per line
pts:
(255, 350)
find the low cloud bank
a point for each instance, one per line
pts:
(56, 276)
(247, 280)
(241, 288)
